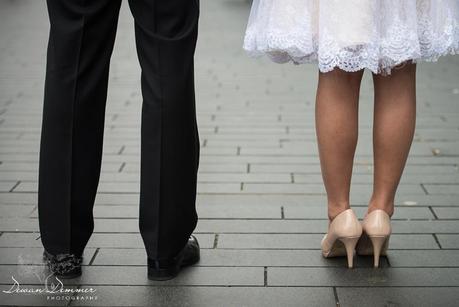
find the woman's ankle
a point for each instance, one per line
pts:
(335, 208)
(385, 205)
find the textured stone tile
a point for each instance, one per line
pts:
(219, 188)
(113, 240)
(297, 188)
(14, 211)
(446, 212)
(18, 224)
(312, 241)
(262, 226)
(320, 212)
(137, 275)
(236, 257)
(210, 296)
(393, 296)
(432, 226)
(448, 240)
(424, 258)
(20, 240)
(7, 186)
(442, 188)
(246, 178)
(393, 277)
(239, 211)
(225, 168)
(135, 240)
(317, 226)
(120, 211)
(18, 198)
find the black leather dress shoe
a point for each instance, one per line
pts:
(63, 265)
(169, 268)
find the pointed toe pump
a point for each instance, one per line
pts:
(376, 233)
(342, 237)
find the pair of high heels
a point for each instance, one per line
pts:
(346, 235)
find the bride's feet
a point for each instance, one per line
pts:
(343, 234)
(376, 233)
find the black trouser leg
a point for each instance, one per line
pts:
(80, 45)
(166, 32)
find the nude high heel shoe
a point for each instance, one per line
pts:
(376, 233)
(343, 234)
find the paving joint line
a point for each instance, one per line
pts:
(94, 256)
(335, 294)
(433, 212)
(15, 186)
(437, 240)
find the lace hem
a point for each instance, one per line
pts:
(349, 60)
(380, 53)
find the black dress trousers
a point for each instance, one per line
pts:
(81, 40)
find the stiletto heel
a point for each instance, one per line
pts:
(349, 245)
(378, 245)
(342, 237)
(376, 233)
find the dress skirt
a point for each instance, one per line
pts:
(353, 34)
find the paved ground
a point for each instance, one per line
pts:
(261, 200)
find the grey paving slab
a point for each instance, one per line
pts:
(14, 211)
(241, 211)
(237, 257)
(316, 226)
(442, 188)
(137, 275)
(361, 277)
(393, 296)
(7, 186)
(312, 241)
(18, 224)
(210, 296)
(114, 240)
(446, 212)
(18, 198)
(368, 178)
(297, 188)
(302, 200)
(248, 226)
(205, 211)
(448, 240)
(320, 211)
(430, 226)
(246, 178)
(424, 258)
(20, 240)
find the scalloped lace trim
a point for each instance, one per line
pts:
(400, 44)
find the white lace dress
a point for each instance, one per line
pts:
(353, 34)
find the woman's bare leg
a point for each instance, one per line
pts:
(393, 130)
(337, 132)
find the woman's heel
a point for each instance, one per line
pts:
(377, 229)
(379, 245)
(349, 245)
(342, 236)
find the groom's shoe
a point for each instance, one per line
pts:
(63, 265)
(169, 268)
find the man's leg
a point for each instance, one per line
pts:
(81, 41)
(166, 33)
